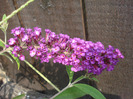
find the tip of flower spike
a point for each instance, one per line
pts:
(119, 53)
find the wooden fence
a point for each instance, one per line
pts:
(108, 21)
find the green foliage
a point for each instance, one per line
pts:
(16, 59)
(70, 73)
(19, 97)
(79, 78)
(71, 93)
(87, 89)
(94, 79)
(4, 26)
(4, 16)
(1, 44)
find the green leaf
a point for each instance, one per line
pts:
(4, 16)
(19, 97)
(79, 78)
(70, 93)
(1, 44)
(90, 90)
(70, 73)
(93, 78)
(7, 57)
(16, 59)
(4, 26)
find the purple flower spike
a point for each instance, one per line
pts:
(17, 33)
(33, 52)
(25, 38)
(82, 55)
(119, 53)
(38, 53)
(11, 41)
(37, 31)
(49, 55)
(56, 49)
(22, 57)
(74, 69)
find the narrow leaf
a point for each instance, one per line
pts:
(7, 57)
(19, 97)
(1, 44)
(93, 78)
(16, 59)
(90, 90)
(79, 78)
(70, 73)
(70, 93)
(4, 16)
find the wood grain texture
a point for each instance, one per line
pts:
(111, 22)
(60, 16)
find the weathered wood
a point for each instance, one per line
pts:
(111, 22)
(60, 16)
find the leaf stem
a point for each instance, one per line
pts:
(16, 11)
(5, 38)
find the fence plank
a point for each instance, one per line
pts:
(60, 16)
(111, 22)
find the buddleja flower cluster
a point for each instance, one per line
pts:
(81, 54)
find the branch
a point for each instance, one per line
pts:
(16, 11)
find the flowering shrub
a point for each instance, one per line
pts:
(77, 54)
(81, 54)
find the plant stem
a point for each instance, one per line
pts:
(40, 74)
(5, 38)
(5, 50)
(16, 11)
(68, 86)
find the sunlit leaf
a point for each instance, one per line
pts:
(4, 16)
(4, 26)
(19, 97)
(70, 73)
(93, 78)
(1, 44)
(90, 91)
(16, 59)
